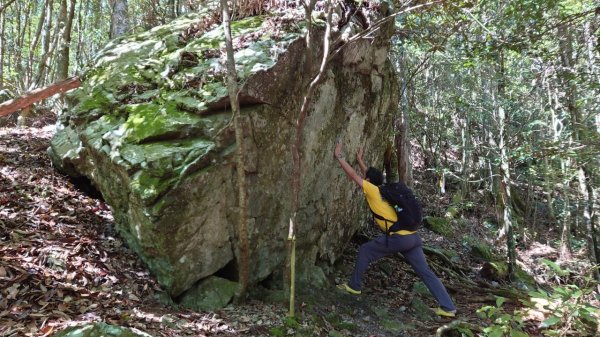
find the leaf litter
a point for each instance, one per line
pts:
(63, 264)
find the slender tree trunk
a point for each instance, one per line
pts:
(19, 41)
(46, 41)
(553, 130)
(62, 71)
(34, 44)
(298, 138)
(296, 144)
(591, 39)
(403, 149)
(466, 155)
(505, 210)
(2, 44)
(232, 87)
(171, 9)
(119, 24)
(80, 29)
(56, 39)
(579, 127)
(590, 233)
(565, 234)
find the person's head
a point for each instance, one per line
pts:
(374, 176)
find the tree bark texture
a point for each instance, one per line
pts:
(34, 44)
(119, 24)
(46, 43)
(505, 211)
(62, 65)
(402, 145)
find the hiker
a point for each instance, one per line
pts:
(406, 242)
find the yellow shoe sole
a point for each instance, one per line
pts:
(346, 287)
(444, 313)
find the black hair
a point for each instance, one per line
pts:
(374, 176)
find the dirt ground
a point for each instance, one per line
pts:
(63, 264)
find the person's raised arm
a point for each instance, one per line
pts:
(350, 172)
(361, 163)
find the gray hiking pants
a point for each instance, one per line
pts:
(411, 247)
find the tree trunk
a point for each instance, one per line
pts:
(592, 62)
(34, 44)
(232, 88)
(171, 9)
(62, 71)
(49, 56)
(565, 234)
(579, 127)
(46, 38)
(403, 150)
(465, 157)
(31, 97)
(401, 125)
(22, 13)
(505, 210)
(2, 44)
(298, 138)
(590, 230)
(119, 24)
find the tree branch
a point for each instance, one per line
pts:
(39, 94)
(3, 8)
(378, 25)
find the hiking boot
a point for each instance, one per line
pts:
(346, 287)
(445, 313)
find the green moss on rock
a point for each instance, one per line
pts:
(210, 294)
(420, 310)
(438, 225)
(479, 249)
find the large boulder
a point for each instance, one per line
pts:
(151, 128)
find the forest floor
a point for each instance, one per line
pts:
(63, 264)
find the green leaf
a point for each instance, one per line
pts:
(555, 268)
(538, 294)
(550, 321)
(493, 331)
(518, 333)
(465, 331)
(499, 301)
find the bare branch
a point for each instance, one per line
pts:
(377, 25)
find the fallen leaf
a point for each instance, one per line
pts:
(47, 330)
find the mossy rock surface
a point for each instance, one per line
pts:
(209, 294)
(420, 310)
(480, 249)
(498, 271)
(151, 128)
(438, 225)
